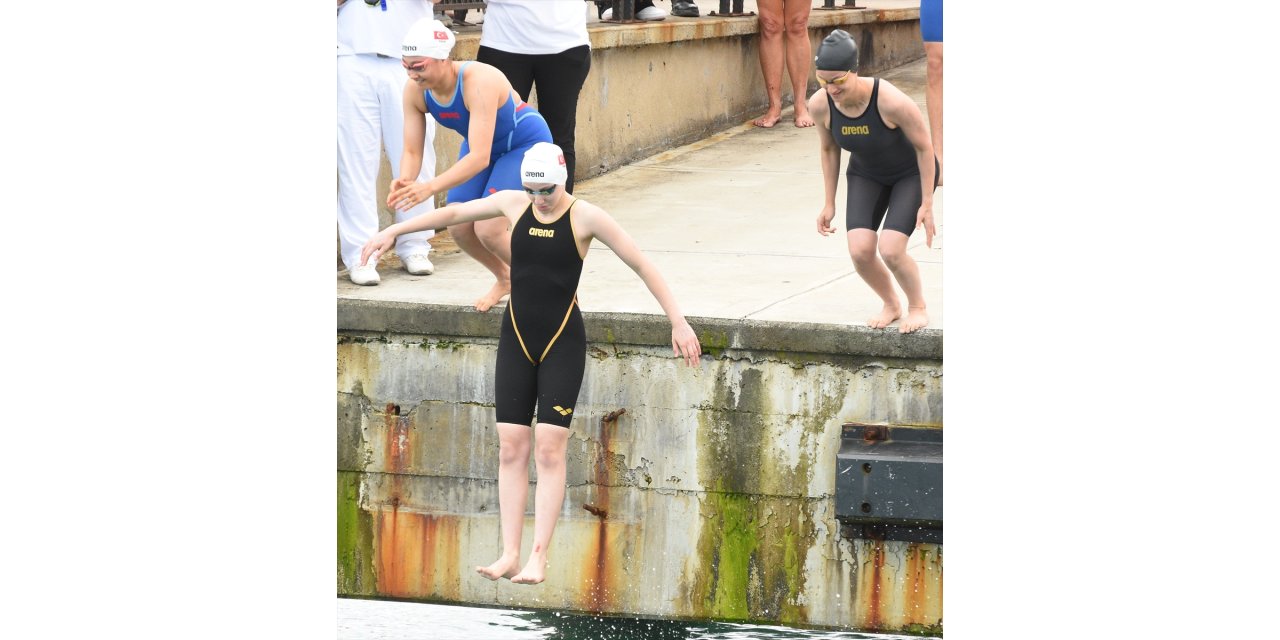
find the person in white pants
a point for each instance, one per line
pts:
(371, 116)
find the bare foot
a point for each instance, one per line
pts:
(803, 119)
(769, 119)
(916, 319)
(505, 567)
(887, 315)
(499, 290)
(534, 571)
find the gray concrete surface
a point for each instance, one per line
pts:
(729, 220)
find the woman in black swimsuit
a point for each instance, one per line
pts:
(542, 347)
(890, 179)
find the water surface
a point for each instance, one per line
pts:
(385, 620)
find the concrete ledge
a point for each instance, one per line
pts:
(716, 334)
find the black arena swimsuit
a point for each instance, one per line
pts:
(542, 350)
(883, 177)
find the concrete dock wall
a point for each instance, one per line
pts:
(657, 85)
(711, 490)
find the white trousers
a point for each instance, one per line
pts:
(371, 117)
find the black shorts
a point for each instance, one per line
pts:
(552, 384)
(868, 203)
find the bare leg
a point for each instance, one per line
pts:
(799, 56)
(513, 489)
(933, 99)
(893, 248)
(862, 248)
(479, 240)
(771, 59)
(550, 445)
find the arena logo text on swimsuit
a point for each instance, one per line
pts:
(542, 233)
(859, 130)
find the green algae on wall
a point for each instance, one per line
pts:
(727, 544)
(751, 564)
(355, 539)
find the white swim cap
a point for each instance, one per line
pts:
(543, 163)
(428, 37)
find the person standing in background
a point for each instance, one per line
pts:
(931, 33)
(789, 18)
(542, 44)
(370, 117)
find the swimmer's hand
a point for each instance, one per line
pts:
(379, 244)
(684, 343)
(924, 218)
(824, 220)
(406, 194)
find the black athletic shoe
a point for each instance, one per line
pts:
(684, 8)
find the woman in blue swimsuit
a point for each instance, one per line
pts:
(497, 127)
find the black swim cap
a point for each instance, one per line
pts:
(838, 52)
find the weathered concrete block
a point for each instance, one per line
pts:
(711, 495)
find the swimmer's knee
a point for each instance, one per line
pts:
(549, 455)
(463, 229)
(862, 250)
(893, 253)
(513, 452)
(490, 230)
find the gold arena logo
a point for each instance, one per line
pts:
(562, 410)
(859, 130)
(542, 233)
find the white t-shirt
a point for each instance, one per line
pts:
(534, 27)
(364, 28)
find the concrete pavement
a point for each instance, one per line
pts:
(729, 221)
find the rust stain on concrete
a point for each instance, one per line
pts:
(923, 587)
(902, 593)
(418, 555)
(870, 582)
(600, 590)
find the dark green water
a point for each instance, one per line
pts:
(383, 620)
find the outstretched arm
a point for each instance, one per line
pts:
(684, 342)
(492, 206)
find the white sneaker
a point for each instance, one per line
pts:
(418, 265)
(367, 274)
(652, 14)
